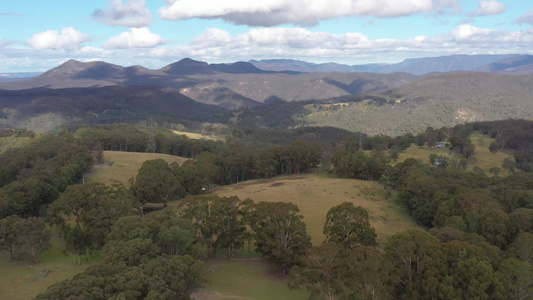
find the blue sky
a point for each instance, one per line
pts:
(37, 35)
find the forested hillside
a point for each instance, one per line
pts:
(152, 236)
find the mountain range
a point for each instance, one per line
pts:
(383, 101)
(230, 86)
(504, 64)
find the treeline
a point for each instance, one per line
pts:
(152, 257)
(159, 255)
(33, 175)
(157, 181)
(328, 137)
(496, 209)
(414, 264)
(131, 138)
(136, 138)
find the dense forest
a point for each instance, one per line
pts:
(475, 241)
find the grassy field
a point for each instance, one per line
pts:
(315, 195)
(125, 166)
(24, 279)
(246, 279)
(482, 156)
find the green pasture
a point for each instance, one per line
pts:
(245, 279)
(315, 194)
(126, 165)
(482, 158)
(24, 279)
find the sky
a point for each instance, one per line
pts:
(37, 35)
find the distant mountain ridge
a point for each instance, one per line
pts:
(230, 86)
(75, 74)
(243, 84)
(373, 103)
(415, 66)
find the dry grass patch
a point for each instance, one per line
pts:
(315, 195)
(422, 154)
(126, 165)
(197, 136)
(484, 158)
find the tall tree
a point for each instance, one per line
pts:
(11, 231)
(407, 253)
(519, 279)
(171, 277)
(157, 183)
(217, 220)
(348, 226)
(89, 211)
(522, 248)
(321, 272)
(280, 233)
(36, 237)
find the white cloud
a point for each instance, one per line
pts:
(491, 7)
(133, 13)
(136, 38)
(492, 38)
(302, 12)
(69, 39)
(527, 18)
(215, 45)
(4, 43)
(471, 33)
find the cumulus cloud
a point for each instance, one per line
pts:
(301, 12)
(491, 7)
(135, 38)
(133, 13)
(527, 18)
(69, 39)
(469, 34)
(300, 43)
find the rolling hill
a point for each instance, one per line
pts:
(47, 109)
(436, 100)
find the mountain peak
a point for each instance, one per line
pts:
(187, 66)
(68, 68)
(86, 70)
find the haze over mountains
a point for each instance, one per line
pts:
(479, 88)
(505, 63)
